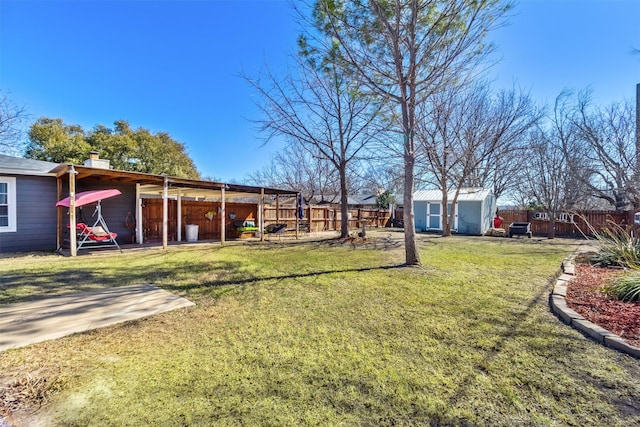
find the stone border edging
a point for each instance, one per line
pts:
(558, 303)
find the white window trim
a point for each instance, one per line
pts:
(11, 199)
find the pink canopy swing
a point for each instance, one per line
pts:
(99, 233)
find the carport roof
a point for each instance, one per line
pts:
(154, 183)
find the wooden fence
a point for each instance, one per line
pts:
(205, 216)
(325, 218)
(194, 212)
(567, 224)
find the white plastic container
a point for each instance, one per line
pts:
(192, 232)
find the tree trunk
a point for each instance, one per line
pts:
(411, 251)
(446, 225)
(344, 207)
(551, 232)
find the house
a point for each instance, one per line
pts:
(474, 210)
(27, 205)
(149, 208)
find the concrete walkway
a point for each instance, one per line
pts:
(31, 322)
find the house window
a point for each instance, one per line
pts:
(565, 217)
(7, 204)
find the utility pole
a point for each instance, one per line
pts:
(638, 124)
(637, 171)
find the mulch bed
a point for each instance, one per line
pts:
(585, 296)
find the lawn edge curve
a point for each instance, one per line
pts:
(558, 303)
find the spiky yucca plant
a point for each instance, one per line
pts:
(626, 288)
(618, 246)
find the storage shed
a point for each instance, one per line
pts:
(474, 210)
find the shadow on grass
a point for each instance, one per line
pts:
(228, 273)
(257, 279)
(557, 347)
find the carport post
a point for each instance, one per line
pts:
(72, 211)
(261, 215)
(298, 207)
(179, 213)
(223, 216)
(139, 234)
(165, 213)
(59, 214)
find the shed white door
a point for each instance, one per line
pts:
(434, 216)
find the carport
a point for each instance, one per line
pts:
(135, 186)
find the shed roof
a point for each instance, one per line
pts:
(466, 195)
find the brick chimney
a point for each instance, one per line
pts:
(94, 161)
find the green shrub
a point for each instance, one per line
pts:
(626, 288)
(618, 246)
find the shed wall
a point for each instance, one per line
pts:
(470, 218)
(488, 212)
(420, 215)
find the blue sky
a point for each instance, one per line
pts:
(173, 66)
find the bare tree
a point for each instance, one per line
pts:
(406, 51)
(464, 136)
(511, 116)
(295, 168)
(549, 182)
(606, 156)
(322, 109)
(382, 172)
(12, 118)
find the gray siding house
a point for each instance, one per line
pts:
(474, 210)
(30, 189)
(28, 215)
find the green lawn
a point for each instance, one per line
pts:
(322, 333)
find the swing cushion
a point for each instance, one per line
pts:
(98, 231)
(97, 234)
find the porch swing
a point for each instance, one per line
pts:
(97, 235)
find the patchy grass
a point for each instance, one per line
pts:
(324, 333)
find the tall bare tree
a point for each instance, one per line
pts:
(606, 156)
(406, 51)
(549, 182)
(295, 168)
(511, 115)
(12, 118)
(321, 108)
(464, 136)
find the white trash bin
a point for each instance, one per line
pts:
(192, 233)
